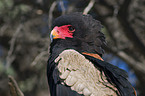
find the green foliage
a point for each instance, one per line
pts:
(5, 5)
(8, 71)
(28, 84)
(9, 12)
(19, 10)
(105, 31)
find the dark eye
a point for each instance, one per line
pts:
(71, 28)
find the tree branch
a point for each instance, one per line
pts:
(52, 7)
(38, 57)
(131, 61)
(62, 7)
(14, 89)
(89, 7)
(128, 30)
(10, 58)
(3, 28)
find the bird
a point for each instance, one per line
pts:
(75, 65)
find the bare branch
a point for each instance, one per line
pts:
(89, 7)
(131, 61)
(14, 89)
(62, 7)
(123, 18)
(38, 57)
(124, 8)
(3, 28)
(52, 7)
(116, 9)
(10, 57)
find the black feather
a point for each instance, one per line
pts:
(115, 75)
(87, 38)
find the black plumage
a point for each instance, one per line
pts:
(86, 38)
(115, 76)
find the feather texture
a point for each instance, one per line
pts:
(71, 73)
(115, 76)
(80, 75)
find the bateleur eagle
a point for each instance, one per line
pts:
(75, 66)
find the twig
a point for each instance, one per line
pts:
(62, 7)
(10, 58)
(128, 29)
(14, 89)
(3, 28)
(52, 7)
(89, 7)
(131, 61)
(38, 57)
(116, 9)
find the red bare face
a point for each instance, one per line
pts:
(62, 32)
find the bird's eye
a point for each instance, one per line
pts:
(71, 28)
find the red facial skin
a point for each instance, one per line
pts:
(62, 32)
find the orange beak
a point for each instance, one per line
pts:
(54, 34)
(61, 32)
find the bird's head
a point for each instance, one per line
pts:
(62, 32)
(78, 31)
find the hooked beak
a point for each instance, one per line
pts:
(54, 34)
(61, 32)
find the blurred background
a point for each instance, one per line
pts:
(24, 39)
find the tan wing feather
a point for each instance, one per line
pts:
(82, 76)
